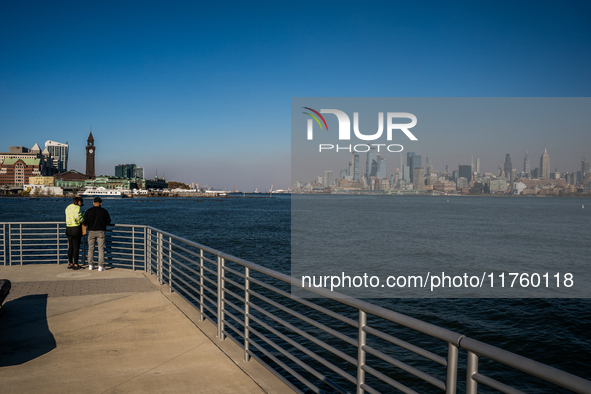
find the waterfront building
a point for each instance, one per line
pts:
(58, 153)
(445, 186)
(498, 185)
(71, 180)
(112, 182)
(465, 171)
(139, 172)
(90, 152)
(42, 180)
(126, 171)
(17, 171)
(519, 187)
(461, 183)
(419, 177)
(545, 165)
(415, 162)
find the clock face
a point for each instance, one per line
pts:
(91, 150)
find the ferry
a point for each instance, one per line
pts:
(102, 192)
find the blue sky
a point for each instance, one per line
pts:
(201, 91)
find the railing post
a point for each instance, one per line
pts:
(362, 337)
(57, 240)
(201, 315)
(146, 251)
(9, 245)
(84, 254)
(170, 264)
(472, 368)
(246, 312)
(4, 244)
(159, 260)
(452, 369)
(133, 248)
(221, 284)
(20, 241)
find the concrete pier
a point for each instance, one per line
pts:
(115, 331)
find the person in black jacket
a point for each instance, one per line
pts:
(96, 220)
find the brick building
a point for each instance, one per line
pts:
(17, 171)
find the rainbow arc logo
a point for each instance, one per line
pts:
(315, 118)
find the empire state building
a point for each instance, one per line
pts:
(545, 165)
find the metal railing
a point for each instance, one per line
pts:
(316, 345)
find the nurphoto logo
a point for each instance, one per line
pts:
(345, 129)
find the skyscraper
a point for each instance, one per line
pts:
(545, 165)
(526, 165)
(59, 151)
(327, 181)
(414, 162)
(125, 171)
(465, 171)
(371, 164)
(478, 166)
(355, 173)
(382, 169)
(508, 166)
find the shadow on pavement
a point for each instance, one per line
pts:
(24, 334)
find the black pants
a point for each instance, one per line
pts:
(74, 235)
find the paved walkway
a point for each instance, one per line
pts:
(115, 331)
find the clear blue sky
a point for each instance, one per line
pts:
(201, 91)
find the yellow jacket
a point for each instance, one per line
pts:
(74, 216)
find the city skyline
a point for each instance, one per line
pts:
(202, 92)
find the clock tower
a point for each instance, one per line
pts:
(90, 150)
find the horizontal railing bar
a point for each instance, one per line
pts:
(186, 268)
(304, 350)
(531, 367)
(210, 281)
(238, 285)
(408, 346)
(228, 269)
(295, 359)
(274, 372)
(230, 334)
(234, 317)
(178, 278)
(194, 253)
(304, 334)
(405, 367)
(185, 258)
(307, 303)
(369, 390)
(205, 297)
(388, 380)
(236, 307)
(239, 298)
(305, 318)
(210, 310)
(503, 388)
(285, 367)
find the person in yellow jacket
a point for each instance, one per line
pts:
(74, 221)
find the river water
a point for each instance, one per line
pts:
(550, 330)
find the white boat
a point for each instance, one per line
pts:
(101, 192)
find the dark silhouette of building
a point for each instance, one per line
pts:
(90, 152)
